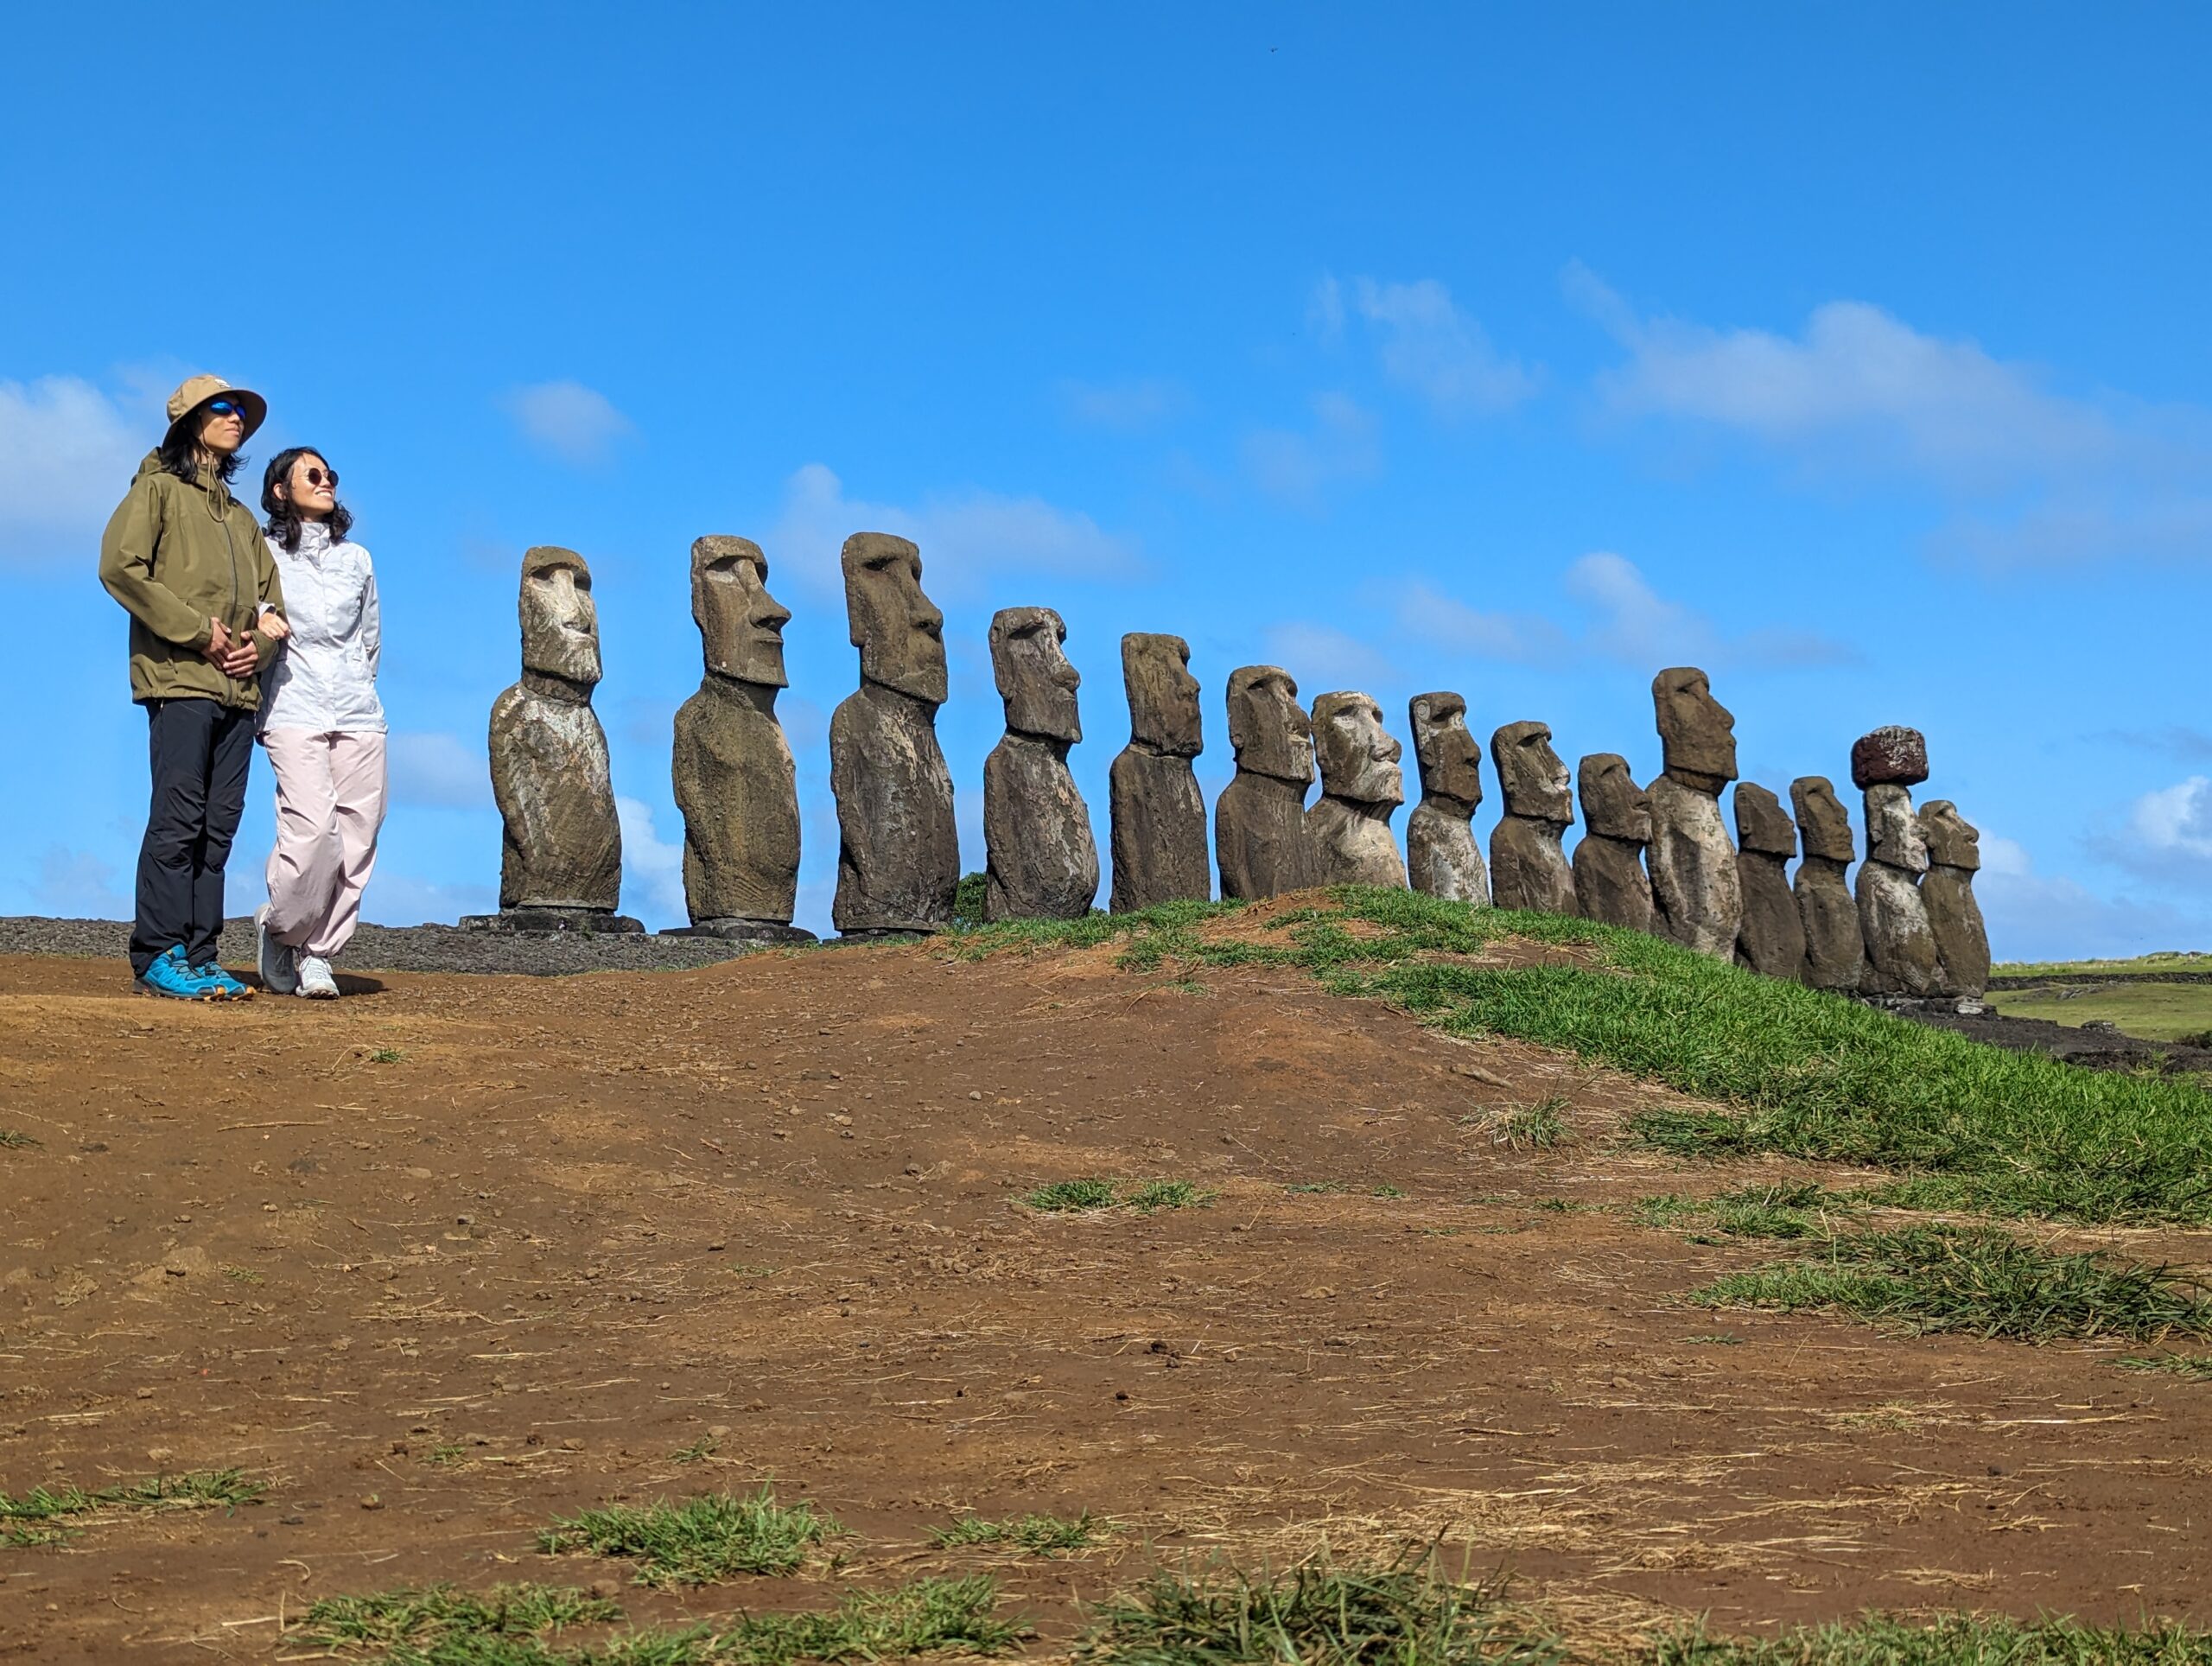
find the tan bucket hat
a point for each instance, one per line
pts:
(198, 389)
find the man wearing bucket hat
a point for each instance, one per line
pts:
(187, 562)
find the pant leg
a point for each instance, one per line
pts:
(229, 757)
(357, 776)
(303, 865)
(179, 735)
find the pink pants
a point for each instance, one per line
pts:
(330, 793)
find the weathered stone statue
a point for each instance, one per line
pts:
(1892, 915)
(1954, 916)
(1610, 883)
(1361, 785)
(1699, 898)
(898, 850)
(1159, 816)
(1527, 869)
(1771, 939)
(731, 766)
(1041, 862)
(1835, 950)
(561, 857)
(1442, 858)
(1259, 821)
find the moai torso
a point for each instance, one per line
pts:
(1042, 862)
(1528, 868)
(1892, 914)
(1442, 859)
(1260, 840)
(1954, 917)
(1158, 814)
(1771, 939)
(1348, 829)
(1835, 949)
(1610, 883)
(1695, 890)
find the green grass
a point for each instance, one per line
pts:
(386, 1056)
(436, 1613)
(1751, 1211)
(16, 1140)
(1326, 1187)
(2194, 1368)
(1949, 1640)
(1532, 1127)
(1040, 1536)
(206, 1489)
(1077, 1197)
(2171, 960)
(2157, 1012)
(1069, 1197)
(699, 1541)
(1973, 1280)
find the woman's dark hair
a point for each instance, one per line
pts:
(181, 444)
(283, 514)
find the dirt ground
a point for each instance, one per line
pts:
(459, 1255)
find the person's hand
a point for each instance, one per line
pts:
(273, 625)
(243, 658)
(219, 644)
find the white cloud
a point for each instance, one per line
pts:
(1127, 405)
(1295, 467)
(1321, 656)
(2167, 838)
(1515, 639)
(652, 869)
(2035, 916)
(404, 900)
(576, 424)
(1429, 345)
(78, 885)
(67, 453)
(438, 770)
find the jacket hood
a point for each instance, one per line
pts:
(208, 482)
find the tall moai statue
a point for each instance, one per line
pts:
(1442, 859)
(1610, 883)
(1527, 869)
(560, 849)
(1159, 816)
(731, 766)
(1361, 785)
(1954, 916)
(1835, 949)
(898, 850)
(1259, 821)
(1885, 766)
(1771, 939)
(1699, 898)
(1041, 860)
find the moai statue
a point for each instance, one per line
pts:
(731, 766)
(1527, 869)
(1610, 883)
(1442, 858)
(1698, 897)
(1835, 949)
(1259, 821)
(1041, 862)
(1892, 915)
(1159, 816)
(898, 850)
(1962, 939)
(1361, 785)
(1771, 939)
(561, 859)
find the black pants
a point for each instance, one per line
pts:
(201, 751)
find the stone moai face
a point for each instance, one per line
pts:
(1359, 759)
(900, 634)
(1697, 732)
(1034, 678)
(1450, 759)
(1762, 824)
(1163, 695)
(1268, 727)
(1892, 753)
(1823, 821)
(1893, 835)
(560, 626)
(1613, 806)
(740, 625)
(1533, 777)
(1953, 841)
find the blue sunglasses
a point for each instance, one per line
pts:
(225, 408)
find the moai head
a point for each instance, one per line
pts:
(1823, 821)
(1359, 759)
(1893, 835)
(1953, 841)
(740, 625)
(1697, 732)
(1450, 759)
(1893, 753)
(1034, 678)
(1613, 806)
(1163, 695)
(1268, 727)
(560, 626)
(899, 634)
(1530, 774)
(1762, 824)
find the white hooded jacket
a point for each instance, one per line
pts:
(325, 678)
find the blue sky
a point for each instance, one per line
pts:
(1855, 353)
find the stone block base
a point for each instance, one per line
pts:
(588, 921)
(743, 931)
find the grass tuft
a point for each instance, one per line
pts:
(1077, 1197)
(13, 1139)
(1534, 1128)
(1066, 1197)
(2194, 1368)
(438, 1614)
(1949, 1640)
(206, 1489)
(699, 1540)
(1040, 1536)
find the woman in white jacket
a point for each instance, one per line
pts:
(322, 727)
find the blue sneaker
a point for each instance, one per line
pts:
(169, 975)
(221, 986)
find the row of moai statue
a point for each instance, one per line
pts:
(1656, 860)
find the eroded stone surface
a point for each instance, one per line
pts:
(1361, 785)
(1835, 950)
(1891, 755)
(1610, 882)
(1442, 858)
(1892, 914)
(1041, 862)
(1771, 939)
(1259, 841)
(1823, 825)
(1697, 734)
(1528, 868)
(1158, 814)
(1954, 915)
(1695, 890)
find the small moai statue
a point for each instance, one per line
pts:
(1528, 868)
(1695, 889)
(1041, 862)
(731, 766)
(1961, 939)
(560, 849)
(1610, 883)
(1442, 859)
(1158, 814)
(1835, 949)
(1259, 821)
(1361, 785)
(1885, 766)
(898, 848)
(1772, 940)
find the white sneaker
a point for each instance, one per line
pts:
(278, 973)
(315, 981)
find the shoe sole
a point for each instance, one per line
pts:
(146, 988)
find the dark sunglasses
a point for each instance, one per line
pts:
(316, 477)
(225, 408)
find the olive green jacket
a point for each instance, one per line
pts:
(178, 553)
